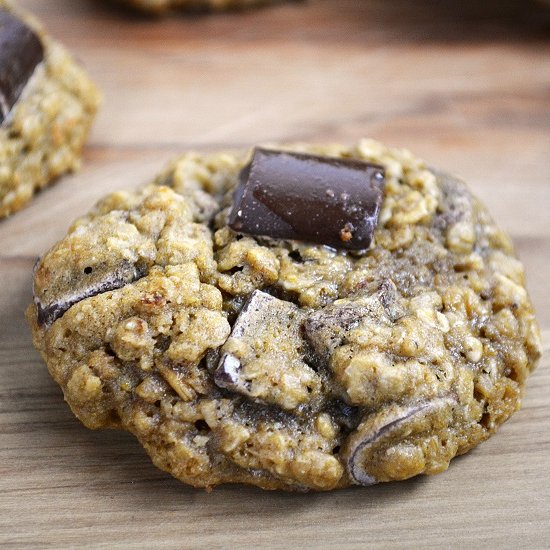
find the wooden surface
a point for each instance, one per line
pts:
(465, 84)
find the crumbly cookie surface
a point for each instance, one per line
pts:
(282, 364)
(162, 6)
(44, 134)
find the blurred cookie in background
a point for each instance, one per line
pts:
(47, 105)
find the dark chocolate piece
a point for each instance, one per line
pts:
(52, 310)
(372, 432)
(326, 328)
(20, 52)
(323, 200)
(265, 352)
(260, 312)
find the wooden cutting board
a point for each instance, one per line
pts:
(464, 84)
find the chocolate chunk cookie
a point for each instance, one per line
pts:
(47, 104)
(235, 355)
(162, 6)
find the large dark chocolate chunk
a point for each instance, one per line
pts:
(323, 200)
(20, 52)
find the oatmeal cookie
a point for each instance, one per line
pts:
(163, 6)
(197, 314)
(47, 105)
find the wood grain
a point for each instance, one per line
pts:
(464, 84)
